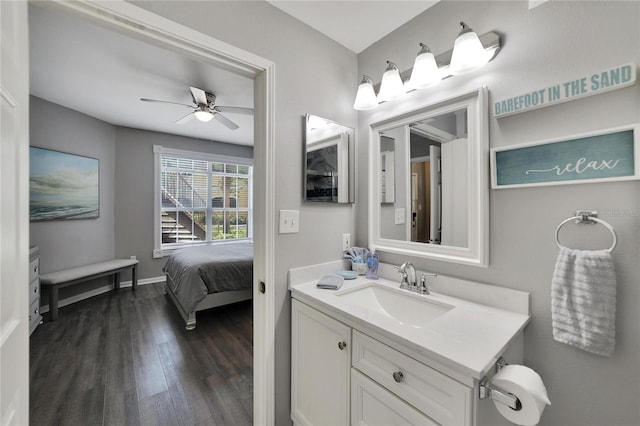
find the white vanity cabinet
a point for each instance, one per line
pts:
(320, 363)
(342, 376)
(371, 353)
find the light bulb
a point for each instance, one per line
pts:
(203, 115)
(425, 71)
(366, 96)
(468, 53)
(391, 86)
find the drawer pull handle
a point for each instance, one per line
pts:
(342, 345)
(398, 376)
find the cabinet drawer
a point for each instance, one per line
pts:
(443, 399)
(34, 315)
(372, 405)
(34, 269)
(34, 291)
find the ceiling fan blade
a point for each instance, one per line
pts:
(199, 96)
(224, 120)
(234, 110)
(185, 119)
(165, 102)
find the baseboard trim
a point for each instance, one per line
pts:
(101, 290)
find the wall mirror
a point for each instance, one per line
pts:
(329, 161)
(428, 178)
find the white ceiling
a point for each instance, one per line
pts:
(354, 24)
(104, 74)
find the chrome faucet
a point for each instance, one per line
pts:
(408, 273)
(409, 279)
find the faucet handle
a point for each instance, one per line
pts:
(404, 284)
(424, 288)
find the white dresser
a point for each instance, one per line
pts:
(34, 289)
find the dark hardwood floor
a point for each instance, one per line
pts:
(125, 358)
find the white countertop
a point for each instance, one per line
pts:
(467, 339)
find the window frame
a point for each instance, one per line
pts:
(160, 249)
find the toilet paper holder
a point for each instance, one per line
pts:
(489, 391)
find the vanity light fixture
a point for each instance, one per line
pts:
(203, 114)
(366, 96)
(391, 86)
(425, 71)
(468, 53)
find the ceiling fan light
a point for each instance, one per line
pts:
(391, 86)
(203, 116)
(425, 71)
(468, 53)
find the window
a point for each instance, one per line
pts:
(200, 198)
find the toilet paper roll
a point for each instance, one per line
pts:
(527, 386)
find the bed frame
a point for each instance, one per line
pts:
(210, 301)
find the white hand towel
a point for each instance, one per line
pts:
(583, 300)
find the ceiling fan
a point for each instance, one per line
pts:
(204, 108)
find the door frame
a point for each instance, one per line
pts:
(133, 21)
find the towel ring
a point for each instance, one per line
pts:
(584, 218)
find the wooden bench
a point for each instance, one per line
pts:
(67, 277)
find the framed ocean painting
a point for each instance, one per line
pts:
(63, 186)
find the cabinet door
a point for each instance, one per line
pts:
(320, 362)
(372, 405)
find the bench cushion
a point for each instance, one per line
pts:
(72, 274)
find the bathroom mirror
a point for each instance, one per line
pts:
(329, 161)
(428, 181)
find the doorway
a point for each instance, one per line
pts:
(130, 20)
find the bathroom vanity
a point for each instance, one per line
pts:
(370, 353)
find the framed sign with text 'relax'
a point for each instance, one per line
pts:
(609, 155)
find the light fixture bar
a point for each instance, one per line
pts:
(490, 41)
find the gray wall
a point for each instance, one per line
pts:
(134, 228)
(552, 43)
(313, 75)
(69, 243)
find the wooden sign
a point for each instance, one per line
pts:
(596, 83)
(596, 157)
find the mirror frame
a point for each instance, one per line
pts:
(477, 252)
(349, 149)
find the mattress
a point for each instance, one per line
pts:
(196, 271)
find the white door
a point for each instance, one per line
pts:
(14, 211)
(455, 191)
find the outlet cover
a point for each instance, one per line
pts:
(399, 217)
(289, 221)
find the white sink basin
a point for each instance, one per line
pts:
(407, 308)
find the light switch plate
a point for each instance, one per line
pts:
(346, 241)
(399, 217)
(289, 221)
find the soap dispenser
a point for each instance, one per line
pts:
(372, 264)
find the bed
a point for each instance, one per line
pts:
(203, 277)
